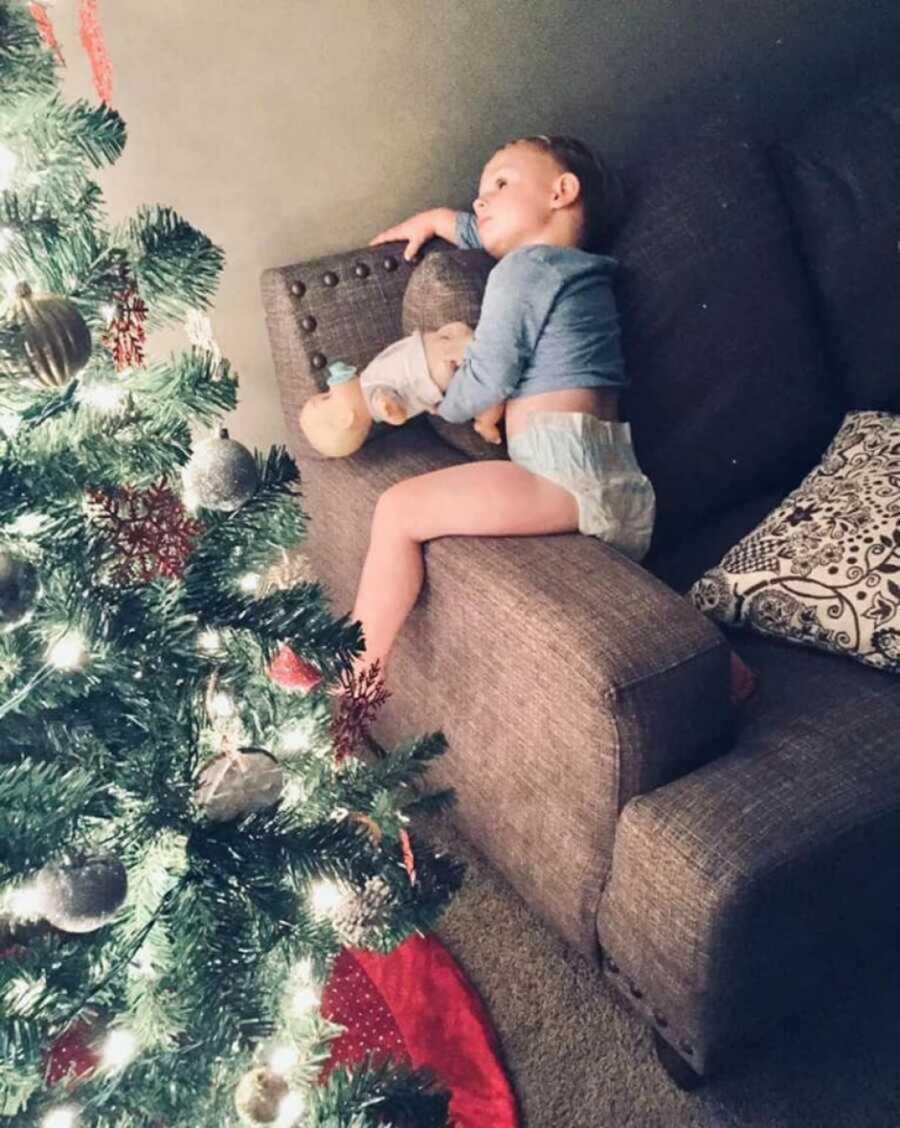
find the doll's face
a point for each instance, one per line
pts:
(332, 425)
(444, 349)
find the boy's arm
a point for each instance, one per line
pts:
(465, 231)
(517, 301)
(456, 227)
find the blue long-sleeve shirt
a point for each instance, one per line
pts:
(548, 321)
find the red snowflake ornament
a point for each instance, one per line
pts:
(150, 529)
(357, 706)
(125, 335)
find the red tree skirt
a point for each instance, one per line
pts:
(416, 1005)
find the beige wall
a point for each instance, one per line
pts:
(289, 129)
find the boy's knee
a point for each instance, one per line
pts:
(392, 509)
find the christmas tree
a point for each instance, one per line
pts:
(190, 828)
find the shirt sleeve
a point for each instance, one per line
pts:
(467, 232)
(519, 295)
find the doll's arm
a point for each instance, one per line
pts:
(389, 406)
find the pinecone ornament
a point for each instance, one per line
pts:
(259, 1094)
(361, 911)
(293, 568)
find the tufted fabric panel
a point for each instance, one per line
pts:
(731, 394)
(841, 177)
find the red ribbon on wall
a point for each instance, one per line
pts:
(93, 42)
(91, 39)
(45, 27)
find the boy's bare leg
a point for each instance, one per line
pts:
(743, 681)
(471, 499)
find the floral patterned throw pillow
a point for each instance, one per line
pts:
(823, 569)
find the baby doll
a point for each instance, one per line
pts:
(405, 379)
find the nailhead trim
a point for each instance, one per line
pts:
(309, 324)
(390, 263)
(298, 289)
(330, 278)
(318, 360)
(361, 270)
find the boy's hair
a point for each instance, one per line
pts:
(602, 190)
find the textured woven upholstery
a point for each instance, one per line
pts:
(584, 700)
(733, 888)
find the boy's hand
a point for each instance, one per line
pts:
(418, 229)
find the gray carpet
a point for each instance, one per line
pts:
(578, 1058)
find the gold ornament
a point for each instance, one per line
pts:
(57, 339)
(258, 1095)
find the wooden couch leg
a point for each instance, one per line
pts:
(674, 1064)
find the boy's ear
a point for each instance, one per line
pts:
(567, 190)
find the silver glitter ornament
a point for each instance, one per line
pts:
(221, 474)
(82, 893)
(236, 783)
(19, 588)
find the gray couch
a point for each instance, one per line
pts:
(713, 861)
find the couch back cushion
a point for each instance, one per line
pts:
(730, 394)
(841, 179)
(449, 286)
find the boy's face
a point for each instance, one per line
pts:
(515, 197)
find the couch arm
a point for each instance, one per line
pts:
(565, 677)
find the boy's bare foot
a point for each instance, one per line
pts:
(744, 682)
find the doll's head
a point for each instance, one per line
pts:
(337, 422)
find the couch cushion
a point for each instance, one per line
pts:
(729, 393)
(733, 886)
(841, 179)
(818, 571)
(680, 563)
(449, 286)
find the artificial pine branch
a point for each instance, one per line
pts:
(108, 755)
(176, 266)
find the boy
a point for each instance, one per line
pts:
(547, 343)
